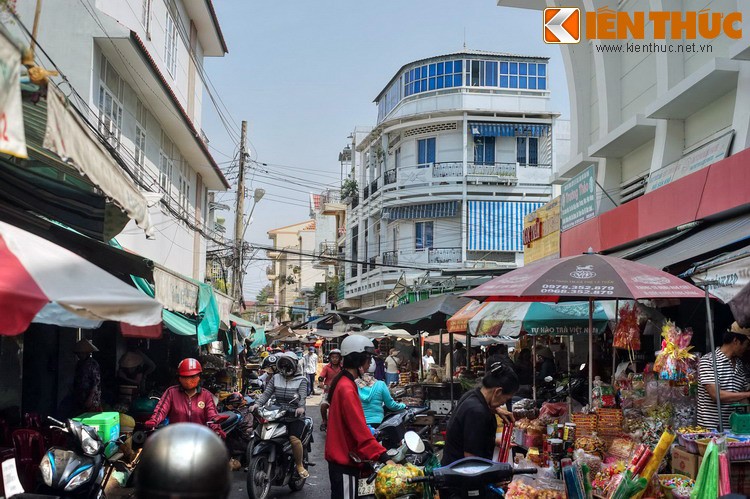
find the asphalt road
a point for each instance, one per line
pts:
(317, 486)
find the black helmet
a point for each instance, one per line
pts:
(270, 362)
(234, 399)
(287, 364)
(184, 460)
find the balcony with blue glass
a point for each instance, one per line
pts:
(466, 83)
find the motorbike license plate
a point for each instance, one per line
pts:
(364, 488)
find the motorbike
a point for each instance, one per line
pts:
(78, 471)
(413, 449)
(269, 453)
(391, 431)
(472, 477)
(230, 421)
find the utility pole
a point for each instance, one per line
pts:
(238, 225)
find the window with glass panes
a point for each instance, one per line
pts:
(423, 235)
(523, 75)
(435, 76)
(166, 164)
(111, 92)
(484, 150)
(140, 138)
(426, 151)
(527, 150)
(170, 44)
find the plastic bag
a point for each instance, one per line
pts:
(553, 410)
(628, 332)
(525, 487)
(707, 481)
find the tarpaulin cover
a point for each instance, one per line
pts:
(460, 321)
(413, 312)
(205, 326)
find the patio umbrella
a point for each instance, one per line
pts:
(35, 272)
(588, 276)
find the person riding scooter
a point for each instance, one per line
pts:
(289, 387)
(186, 402)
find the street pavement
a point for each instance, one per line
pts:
(317, 486)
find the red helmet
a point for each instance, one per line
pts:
(189, 367)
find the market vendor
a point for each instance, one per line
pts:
(733, 382)
(472, 428)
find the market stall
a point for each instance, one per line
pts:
(620, 443)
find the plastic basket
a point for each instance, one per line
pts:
(740, 421)
(738, 451)
(688, 440)
(667, 490)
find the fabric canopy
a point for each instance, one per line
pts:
(536, 319)
(497, 225)
(508, 130)
(445, 209)
(460, 321)
(413, 312)
(35, 272)
(377, 332)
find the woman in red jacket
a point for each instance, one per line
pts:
(347, 429)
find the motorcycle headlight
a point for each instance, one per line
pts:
(79, 479)
(46, 468)
(91, 446)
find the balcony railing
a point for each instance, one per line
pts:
(444, 255)
(374, 186)
(389, 177)
(354, 201)
(390, 258)
(331, 196)
(366, 192)
(327, 250)
(373, 263)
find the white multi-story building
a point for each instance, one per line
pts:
(138, 66)
(636, 111)
(462, 150)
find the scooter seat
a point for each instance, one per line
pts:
(229, 419)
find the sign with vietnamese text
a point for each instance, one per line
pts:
(541, 233)
(578, 199)
(702, 157)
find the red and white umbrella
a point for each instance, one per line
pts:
(36, 273)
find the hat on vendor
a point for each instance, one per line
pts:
(737, 329)
(85, 346)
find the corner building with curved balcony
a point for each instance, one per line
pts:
(465, 145)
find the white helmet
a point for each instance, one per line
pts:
(356, 343)
(287, 364)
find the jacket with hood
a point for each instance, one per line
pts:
(373, 394)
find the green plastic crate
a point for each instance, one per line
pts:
(107, 426)
(740, 419)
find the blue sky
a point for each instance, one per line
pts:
(304, 74)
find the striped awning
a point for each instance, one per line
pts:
(497, 225)
(445, 209)
(508, 129)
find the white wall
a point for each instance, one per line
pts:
(711, 119)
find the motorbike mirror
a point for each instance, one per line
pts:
(583, 366)
(354, 457)
(559, 389)
(548, 379)
(414, 442)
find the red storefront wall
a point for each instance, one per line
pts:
(720, 187)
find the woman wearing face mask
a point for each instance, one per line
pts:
(186, 402)
(347, 430)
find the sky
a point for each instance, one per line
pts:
(304, 74)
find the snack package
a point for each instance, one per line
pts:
(525, 487)
(603, 394)
(673, 362)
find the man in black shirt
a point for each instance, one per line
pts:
(472, 428)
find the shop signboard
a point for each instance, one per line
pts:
(729, 277)
(175, 292)
(702, 157)
(578, 199)
(541, 233)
